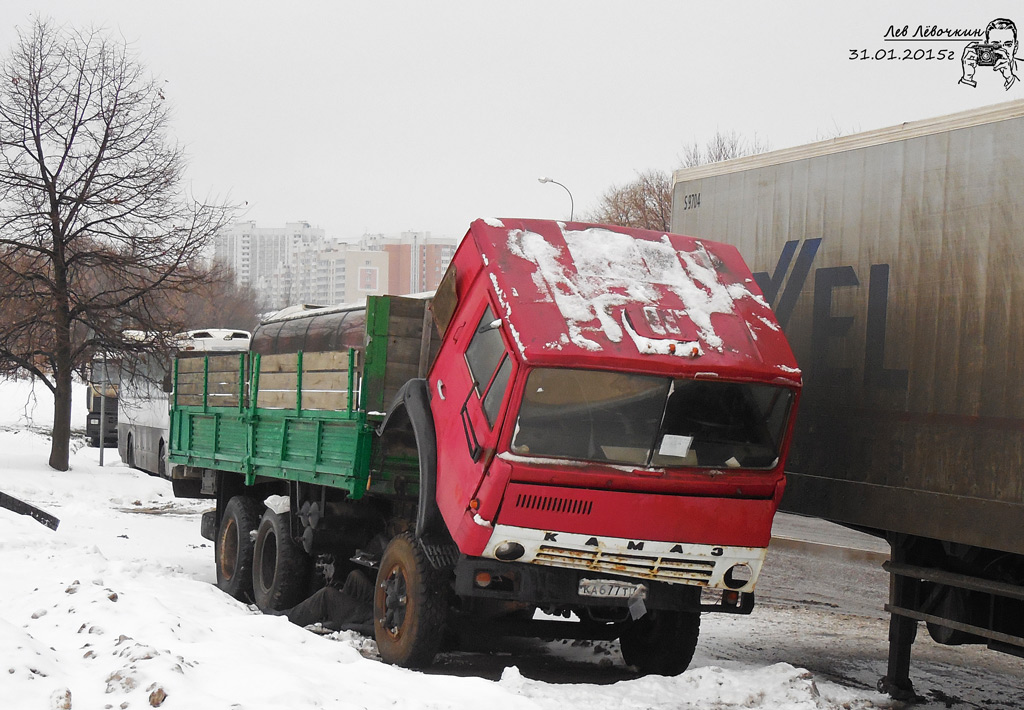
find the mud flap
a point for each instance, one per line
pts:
(414, 399)
(208, 525)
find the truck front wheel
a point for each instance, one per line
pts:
(661, 642)
(280, 567)
(234, 544)
(409, 605)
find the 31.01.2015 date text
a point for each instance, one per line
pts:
(901, 55)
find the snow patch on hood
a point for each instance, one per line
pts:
(613, 269)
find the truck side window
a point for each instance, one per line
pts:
(485, 352)
(496, 392)
(489, 365)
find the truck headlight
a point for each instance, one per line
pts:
(509, 551)
(738, 575)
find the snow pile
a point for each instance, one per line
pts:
(117, 609)
(777, 686)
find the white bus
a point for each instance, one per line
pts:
(143, 403)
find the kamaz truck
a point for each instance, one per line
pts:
(581, 434)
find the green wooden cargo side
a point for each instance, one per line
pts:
(306, 417)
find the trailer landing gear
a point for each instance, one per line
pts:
(902, 630)
(896, 681)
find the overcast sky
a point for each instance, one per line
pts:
(378, 116)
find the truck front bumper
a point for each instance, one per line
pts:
(722, 567)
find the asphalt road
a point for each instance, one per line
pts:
(821, 600)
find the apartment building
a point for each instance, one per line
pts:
(297, 263)
(417, 260)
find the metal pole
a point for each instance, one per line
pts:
(103, 407)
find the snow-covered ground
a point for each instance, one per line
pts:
(117, 609)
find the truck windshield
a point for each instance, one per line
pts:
(645, 420)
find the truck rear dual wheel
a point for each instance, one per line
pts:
(233, 547)
(661, 642)
(280, 567)
(409, 605)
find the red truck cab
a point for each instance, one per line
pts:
(612, 400)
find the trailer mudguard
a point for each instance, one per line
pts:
(411, 409)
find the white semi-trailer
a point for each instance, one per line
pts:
(894, 261)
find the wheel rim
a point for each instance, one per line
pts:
(229, 549)
(395, 602)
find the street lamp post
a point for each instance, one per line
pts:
(571, 205)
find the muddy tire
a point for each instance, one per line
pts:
(661, 642)
(410, 604)
(233, 546)
(280, 567)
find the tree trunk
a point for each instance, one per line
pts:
(60, 445)
(62, 368)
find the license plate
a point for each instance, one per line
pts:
(609, 589)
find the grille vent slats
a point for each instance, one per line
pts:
(554, 504)
(664, 569)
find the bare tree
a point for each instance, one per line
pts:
(646, 202)
(219, 302)
(721, 146)
(95, 230)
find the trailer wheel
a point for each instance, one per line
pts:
(409, 605)
(661, 642)
(280, 567)
(951, 604)
(234, 545)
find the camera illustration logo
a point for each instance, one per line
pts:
(998, 52)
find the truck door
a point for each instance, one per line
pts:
(469, 387)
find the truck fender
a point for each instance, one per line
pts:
(411, 408)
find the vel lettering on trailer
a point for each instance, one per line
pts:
(824, 325)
